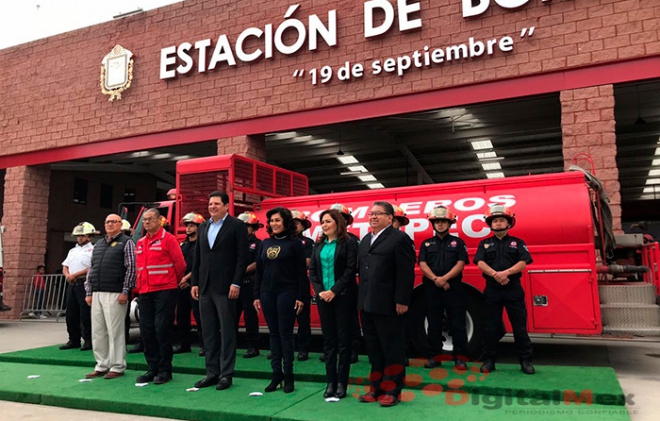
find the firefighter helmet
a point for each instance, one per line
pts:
(344, 211)
(192, 218)
(296, 214)
(125, 225)
(84, 228)
(163, 221)
(249, 218)
(500, 210)
(401, 216)
(441, 212)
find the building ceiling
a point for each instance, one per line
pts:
(515, 137)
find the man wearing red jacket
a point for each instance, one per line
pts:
(160, 266)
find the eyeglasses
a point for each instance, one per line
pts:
(113, 222)
(378, 213)
(148, 219)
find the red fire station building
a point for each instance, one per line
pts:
(354, 94)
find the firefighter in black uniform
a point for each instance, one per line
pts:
(246, 297)
(185, 303)
(356, 341)
(442, 259)
(304, 322)
(502, 258)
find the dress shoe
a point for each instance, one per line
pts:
(322, 358)
(303, 356)
(341, 391)
(269, 356)
(527, 367)
(112, 375)
(432, 363)
(162, 378)
(206, 382)
(251, 353)
(329, 391)
(146, 377)
(137, 349)
(368, 397)
(87, 346)
(202, 352)
(488, 366)
(388, 400)
(354, 357)
(224, 383)
(288, 383)
(181, 349)
(95, 374)
(69, 345)
(460, 364)
(275, 382)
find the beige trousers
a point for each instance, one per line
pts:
(108, 339)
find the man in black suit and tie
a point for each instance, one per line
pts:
(387, 274)
(219, 264)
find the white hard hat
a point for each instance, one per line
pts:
(125, 225)
(84, 228)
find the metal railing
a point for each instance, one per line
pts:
(45, 298)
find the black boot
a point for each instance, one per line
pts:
(275, 382)
(341, 391)
(329, 391)
(181, 349)
(288, 383)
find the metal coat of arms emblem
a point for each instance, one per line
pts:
(116, 72)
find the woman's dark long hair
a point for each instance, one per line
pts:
(339, 219)
(287, 220)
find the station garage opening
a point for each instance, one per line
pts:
(496, 139)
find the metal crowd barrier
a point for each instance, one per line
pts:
(47, 303)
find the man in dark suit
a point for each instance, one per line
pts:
(219, 264)
(387, 274)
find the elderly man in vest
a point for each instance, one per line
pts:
(109, 282)
(160, 266)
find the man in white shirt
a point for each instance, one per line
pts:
(74, 267)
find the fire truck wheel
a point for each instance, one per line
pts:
(134, 312)
(417, 324)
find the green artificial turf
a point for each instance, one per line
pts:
(60, 386)
(550, 382)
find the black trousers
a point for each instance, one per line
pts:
(513, 299)
(337, 326)
(198, 320)
(304, 326)
(78, 314)
(278, 308)
(157, 328)
(245, 305)
(453, 301)
(219, 325)
(183, 308)
(384, 337)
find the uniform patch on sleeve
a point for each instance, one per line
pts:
(253, 246)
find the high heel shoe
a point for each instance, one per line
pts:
(288, 383)
(275, 382)
(329, 391)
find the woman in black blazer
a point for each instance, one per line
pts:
(332, 272)
(280, 289)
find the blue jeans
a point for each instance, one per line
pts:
(278, 307)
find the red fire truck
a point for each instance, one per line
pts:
(558, 215)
